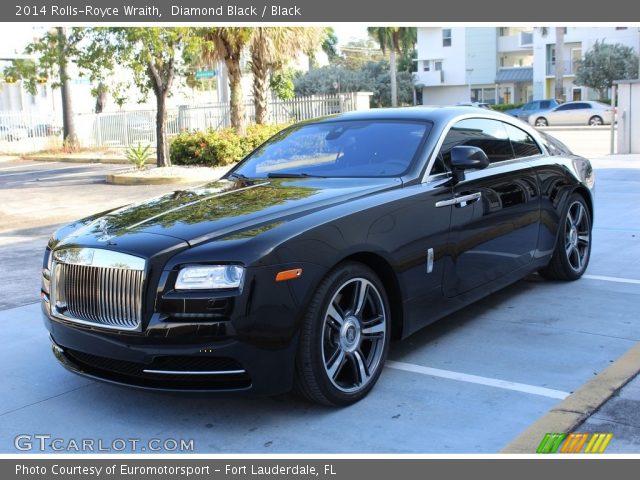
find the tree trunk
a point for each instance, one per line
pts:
(260, 70)
(559, 81)
(68, 126)
(236, 101)
(161, 81)
(393, 70)
(162, 145)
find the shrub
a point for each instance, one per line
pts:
(139, 155)
(218, 148)
(506, 106)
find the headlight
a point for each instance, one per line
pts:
(210, 277)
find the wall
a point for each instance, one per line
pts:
(445, 95)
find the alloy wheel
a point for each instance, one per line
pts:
(577, 236)
(353, 335)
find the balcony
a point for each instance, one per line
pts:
(430, 79)
(570, 67)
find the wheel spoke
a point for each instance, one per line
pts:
(584, 239)
(579, 214)
(335, 317)
(376, 327)
(361, 368)
(569, 249)
(335, 363)
(360, 296)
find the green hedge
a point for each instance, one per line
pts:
(220, 147)
(506, 106)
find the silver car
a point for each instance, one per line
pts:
(574, 113)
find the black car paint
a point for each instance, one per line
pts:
(270, 225)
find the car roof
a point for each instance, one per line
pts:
(419, 113)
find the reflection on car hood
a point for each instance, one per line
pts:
(226, 207)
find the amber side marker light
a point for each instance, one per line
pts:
(288, 275)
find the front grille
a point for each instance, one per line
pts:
(108, 296)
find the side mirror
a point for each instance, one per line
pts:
(465, 157)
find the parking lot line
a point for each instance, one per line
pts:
(490, 382)
(605, 278)
(28, 172)
(23, 166)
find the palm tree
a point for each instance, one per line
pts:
(227, 44)
(394, 39)
(271, 47)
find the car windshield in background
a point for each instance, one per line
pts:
(338, 149)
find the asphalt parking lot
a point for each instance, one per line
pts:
(468, 384)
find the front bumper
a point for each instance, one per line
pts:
(186, 364)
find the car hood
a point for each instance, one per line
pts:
(222, 208)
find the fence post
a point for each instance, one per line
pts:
(99, 129)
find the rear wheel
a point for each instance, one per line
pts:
(595, 121)
(573, 249)
(541, 122)
(344, 337)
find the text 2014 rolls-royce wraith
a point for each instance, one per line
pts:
(297, 268)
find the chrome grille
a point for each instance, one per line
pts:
(98, 287)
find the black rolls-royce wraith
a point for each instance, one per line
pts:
(297, 267)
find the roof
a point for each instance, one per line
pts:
(518, 74)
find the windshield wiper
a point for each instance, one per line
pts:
(290, 175)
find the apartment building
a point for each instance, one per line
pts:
(505, 64)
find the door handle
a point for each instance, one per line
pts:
(461, 201)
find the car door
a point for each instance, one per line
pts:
(495, 214)
(579, 114)
(563, 115)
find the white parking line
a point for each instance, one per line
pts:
(26, 172)
(604, 278)
(79, 174)
(490, 382)
(25, 166)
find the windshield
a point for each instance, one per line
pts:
(337, 149)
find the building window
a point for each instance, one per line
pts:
(426, 66)
(446, 37)
(621, 28)
(438, 65)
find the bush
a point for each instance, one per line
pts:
(218, 148)
(506, 106)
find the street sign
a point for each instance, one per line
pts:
(200, 74)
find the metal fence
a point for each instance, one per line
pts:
(24, 133)
(126, 128)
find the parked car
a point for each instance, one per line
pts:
(532, 107)
(300, 264)
(475, 104)
(574, 113)
(13, 133)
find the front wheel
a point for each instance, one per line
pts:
(541, 122)
(344, 338)
(573, 249)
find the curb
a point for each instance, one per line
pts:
(118, 179)
(581, 404)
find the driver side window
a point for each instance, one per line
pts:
(489, 135)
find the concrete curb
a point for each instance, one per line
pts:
(581, 404)
(123, 179)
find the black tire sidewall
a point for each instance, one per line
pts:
(329, 287)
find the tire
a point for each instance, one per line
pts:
(573, 246)
(596, 121)
(541, 122)
(344, 338)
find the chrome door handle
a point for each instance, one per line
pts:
(462, 201)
